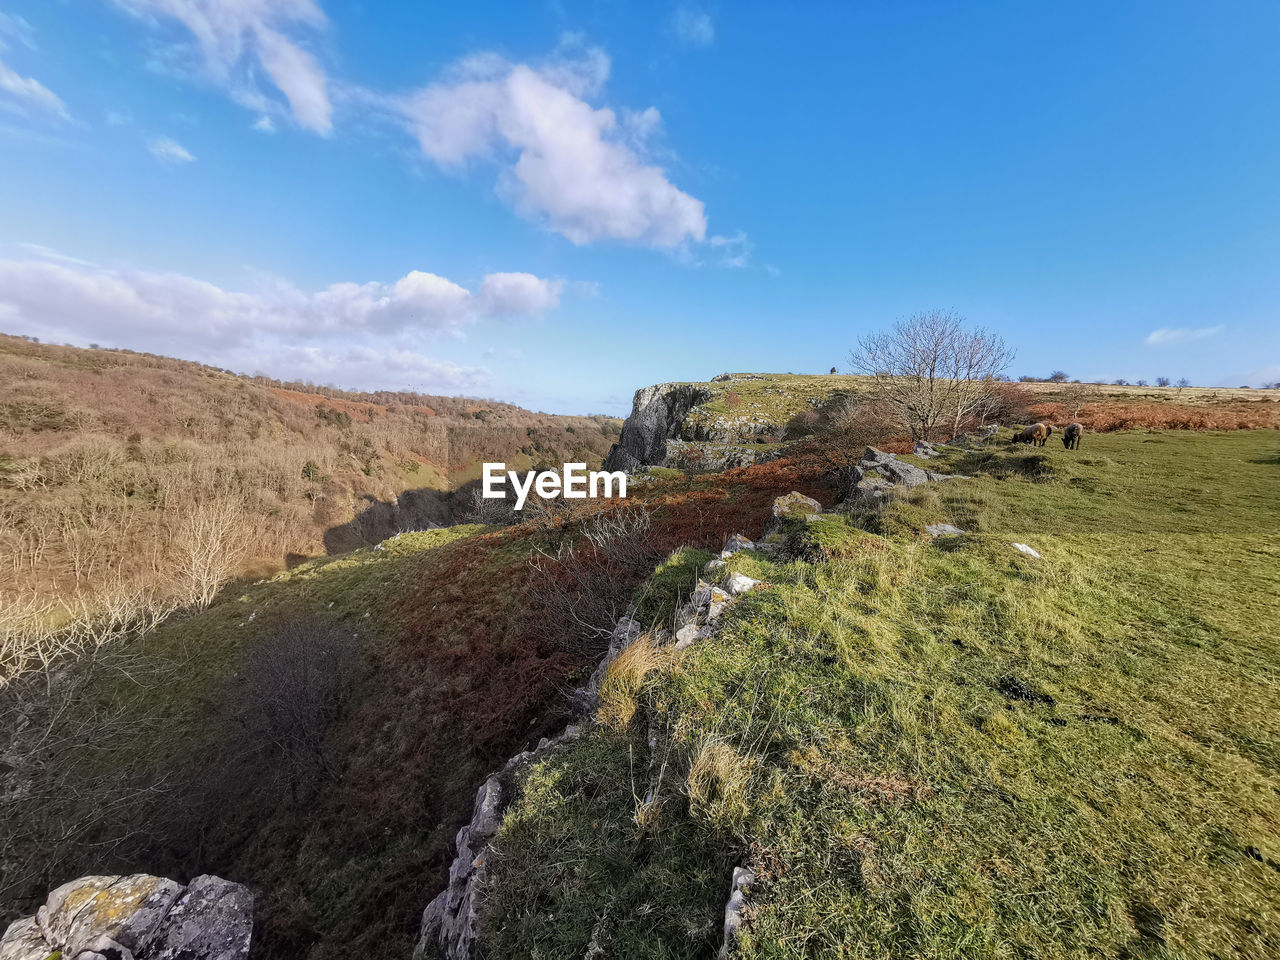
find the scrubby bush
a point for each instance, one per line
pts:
(294, 685)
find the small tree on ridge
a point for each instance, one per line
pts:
(932, 371)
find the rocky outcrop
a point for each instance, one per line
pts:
(878, 472)
(138, 917)
(657, 415)
(699, 455)
(661, 433)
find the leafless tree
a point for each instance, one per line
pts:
(211, 542)
(1076, 395)
(931, 370)
(296, 683)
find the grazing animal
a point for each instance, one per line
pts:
(1035, 434)
(1071, 436)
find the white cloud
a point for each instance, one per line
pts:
(363, 334)
(236, 37)
(264, 124)
(1167, 336)
(25, 93)
(693, 27)
(519, 293)
(168, 150)
(560, 160)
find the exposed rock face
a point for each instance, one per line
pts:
(697, 455)
(878, 472)
(657, 414)
(138, 917)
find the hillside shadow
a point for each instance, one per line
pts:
(422, 509)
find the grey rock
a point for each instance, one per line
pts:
(686, 636)
(943, 530)
(737, 542)
(657, 415)
(1029, 551)
(137, 917)
(740, 583)
(924, 449)
(794, 504)
(586, 699)
(877, 473)
(212, 920)
(713, 456)
(742, 877)
(24, 941)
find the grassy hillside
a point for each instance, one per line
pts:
(157, 754)
(923, 748)
(110, 460)
(949, 748)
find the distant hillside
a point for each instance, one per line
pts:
(121, 470)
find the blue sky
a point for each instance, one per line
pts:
(555, 203)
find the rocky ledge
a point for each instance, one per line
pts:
(138, 917)
(660, 433)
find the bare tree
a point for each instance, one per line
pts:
(1162, 381)
(210, 545)
(1058, 376)
(1183, 383)
(930, 370)
(296, 683)
(1076, 395)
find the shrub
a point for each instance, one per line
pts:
(295, 685)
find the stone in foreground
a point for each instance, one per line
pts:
(137, 917)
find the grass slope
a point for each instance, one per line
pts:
(951, 749)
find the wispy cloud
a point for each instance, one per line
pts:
(27, 93)
(1167, 336)
(20, 94)
(693, 26)
(168, 150)
(264, 124)
(238, 39)
(560, 160)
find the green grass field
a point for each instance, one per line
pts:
(949, 748)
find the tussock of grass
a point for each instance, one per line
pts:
(623, 679)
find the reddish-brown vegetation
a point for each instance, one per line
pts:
(1105, 417)
(104, 455)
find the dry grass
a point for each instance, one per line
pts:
(624, 679)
